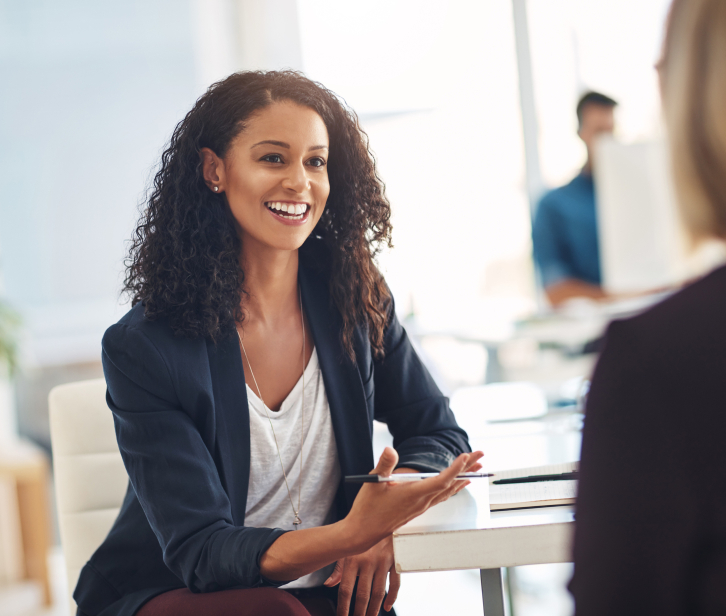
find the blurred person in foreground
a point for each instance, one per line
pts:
(564, 234)
(651, 509)
(262, 343)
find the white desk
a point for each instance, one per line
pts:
(582, 320)
(462, 534)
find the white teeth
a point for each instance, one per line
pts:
(294, 210)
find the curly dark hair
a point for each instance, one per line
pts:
(183, 262)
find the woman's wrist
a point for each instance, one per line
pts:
(356, 536)
(300, 552)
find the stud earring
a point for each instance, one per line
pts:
(216, 189)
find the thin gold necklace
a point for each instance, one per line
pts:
(296, 520)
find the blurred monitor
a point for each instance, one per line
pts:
(642, 242)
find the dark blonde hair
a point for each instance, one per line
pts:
(693, 84)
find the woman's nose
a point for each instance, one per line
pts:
(296, 179)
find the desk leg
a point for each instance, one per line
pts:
(492, 592)
(35, 528)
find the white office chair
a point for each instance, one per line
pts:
(90, 478)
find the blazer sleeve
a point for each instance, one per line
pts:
(634, 518)
(425, 433)
(173, 473)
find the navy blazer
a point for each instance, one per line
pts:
(182, 423)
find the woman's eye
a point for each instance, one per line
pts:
(317, 162)
(272, 158)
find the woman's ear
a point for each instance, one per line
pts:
(212, 170)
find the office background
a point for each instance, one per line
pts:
(469, 106)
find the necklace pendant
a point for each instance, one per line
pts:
(297, 521)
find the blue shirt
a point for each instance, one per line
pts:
(564, 234)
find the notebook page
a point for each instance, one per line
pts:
(530, 492)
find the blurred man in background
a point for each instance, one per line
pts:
(564, 233)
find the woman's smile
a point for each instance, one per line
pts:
(289, 212)
(278, 163)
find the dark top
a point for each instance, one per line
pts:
(651, 510)
(182, 423)
(564, 233)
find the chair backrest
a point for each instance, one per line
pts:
(90, 478)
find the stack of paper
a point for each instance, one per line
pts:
(536, 493)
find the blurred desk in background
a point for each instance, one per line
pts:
(24, 467)
(489, 338)
(546, 348)
(581, 320)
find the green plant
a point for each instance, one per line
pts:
(9, 329)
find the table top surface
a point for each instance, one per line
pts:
(461, 533)
(469, 510)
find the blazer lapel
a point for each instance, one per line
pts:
(233, 421)
(343, 386)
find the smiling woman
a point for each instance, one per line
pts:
(262, 343)
(287, 180)
(169, 266)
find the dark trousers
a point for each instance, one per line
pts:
(320, 601)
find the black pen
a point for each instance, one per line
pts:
(533, 478)
(401, 477)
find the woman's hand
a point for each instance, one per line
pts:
(381, 508)
(378, 510)
(472, 466)
(371, 568)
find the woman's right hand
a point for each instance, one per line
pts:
(378, 510)
(381, 508)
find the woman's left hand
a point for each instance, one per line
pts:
(371, 568)
(382, 554)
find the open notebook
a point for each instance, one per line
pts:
(533, 494)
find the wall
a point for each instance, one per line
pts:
(89, 93)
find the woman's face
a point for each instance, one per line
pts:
(275, 176)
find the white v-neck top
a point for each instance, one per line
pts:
(268, 503)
